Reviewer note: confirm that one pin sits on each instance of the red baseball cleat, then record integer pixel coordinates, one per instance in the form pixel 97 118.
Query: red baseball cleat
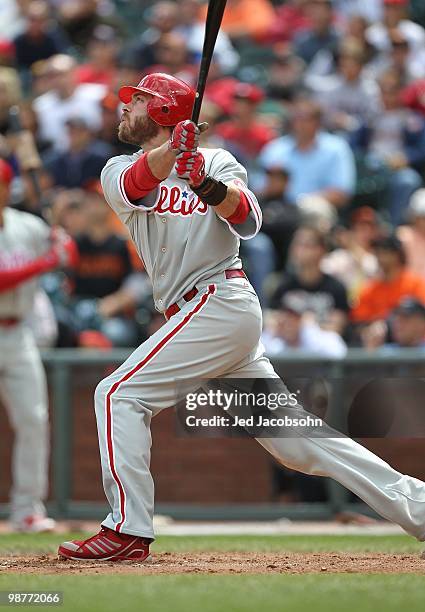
pixel 107 545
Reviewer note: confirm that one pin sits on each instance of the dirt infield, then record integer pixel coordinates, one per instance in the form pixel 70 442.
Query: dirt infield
pixel 226 563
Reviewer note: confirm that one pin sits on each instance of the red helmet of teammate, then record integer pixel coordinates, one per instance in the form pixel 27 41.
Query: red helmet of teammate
pixel 172 99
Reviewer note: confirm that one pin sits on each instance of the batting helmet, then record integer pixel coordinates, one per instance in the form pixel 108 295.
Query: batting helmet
pixel 172 99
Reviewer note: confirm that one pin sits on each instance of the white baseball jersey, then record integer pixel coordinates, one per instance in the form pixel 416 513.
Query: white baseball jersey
pixel 179 238
pixel 23 238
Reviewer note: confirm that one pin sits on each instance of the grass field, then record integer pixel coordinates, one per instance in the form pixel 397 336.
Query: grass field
pixel 225 592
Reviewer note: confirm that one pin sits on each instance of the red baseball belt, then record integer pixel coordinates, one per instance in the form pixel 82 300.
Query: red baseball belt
pixel 10 322
pixel 175 308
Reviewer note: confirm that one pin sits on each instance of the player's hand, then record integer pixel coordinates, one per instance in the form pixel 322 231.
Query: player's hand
pixel 64 248
pixel 186 135
pixel 190 166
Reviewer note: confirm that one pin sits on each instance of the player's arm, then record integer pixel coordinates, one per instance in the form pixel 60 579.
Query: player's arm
pixel 61 253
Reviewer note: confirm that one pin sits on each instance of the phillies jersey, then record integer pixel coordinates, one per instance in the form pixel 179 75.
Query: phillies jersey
pixel 180 239
pixel 23 238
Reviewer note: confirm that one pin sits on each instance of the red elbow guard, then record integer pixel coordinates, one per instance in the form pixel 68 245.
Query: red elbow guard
pixel 241 213
pixel 139 180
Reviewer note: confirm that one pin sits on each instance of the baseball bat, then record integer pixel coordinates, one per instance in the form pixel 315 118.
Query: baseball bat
pixel 212 28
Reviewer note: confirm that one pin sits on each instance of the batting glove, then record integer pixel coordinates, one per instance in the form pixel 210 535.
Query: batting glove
pixel 186 135
pixel 190 166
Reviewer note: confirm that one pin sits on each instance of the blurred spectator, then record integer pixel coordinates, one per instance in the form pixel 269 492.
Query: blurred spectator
pixel 105 286
pixel 412 236
pixel 102 52
pixel 66 99
pixel 399 59
pixel 192 28
pixel 79 18
pixel 291 19
pixel 172 57
pixel 244 128
pixel 396 139
pixel 348 98
pixel 395 17
pixel 280 218
pixel 247 19
pixel 67 211
pixel 162 18
pixel 380 296
pixel 356 28
pixel 10 94
pixel 292 328
pixel 12 20
pixel 319 164
pixel 40 39
pixel 285 74
pixel 413 96
pixel 322 294
pixel 318 44
pixel 353 261
pixel 84 159
pixel 406 328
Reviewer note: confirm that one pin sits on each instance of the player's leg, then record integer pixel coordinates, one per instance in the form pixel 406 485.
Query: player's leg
pixel 324 452
pixel 23 387
pixel 212 334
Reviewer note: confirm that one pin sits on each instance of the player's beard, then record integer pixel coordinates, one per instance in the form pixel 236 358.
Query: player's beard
pixel 142 130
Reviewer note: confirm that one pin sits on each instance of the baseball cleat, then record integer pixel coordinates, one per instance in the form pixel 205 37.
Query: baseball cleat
pixel 107 545
pixel 34 524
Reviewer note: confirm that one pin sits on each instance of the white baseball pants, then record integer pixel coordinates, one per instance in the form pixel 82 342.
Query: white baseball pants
pixel 24 394
pixel 217 334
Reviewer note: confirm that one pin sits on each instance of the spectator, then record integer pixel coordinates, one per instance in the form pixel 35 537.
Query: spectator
pixel 395 17
pixel 12 20
pixel 39 40
pixel 413 96
pixel 381 295
pixel 285 75
pixel 353 262
pixel 293 329
pixel 10 94
pixel 173 58
pixel 246 20
pixel 400 60
pixel 82 162
pixel 64 100
pixel 291 19
pixel 405 328
pixel 322 294
pixel 105 287
pixel 162 18
pixel 397 141
pixel 356 28
pixel 192 28
pixel 244 129
pixel 67 211
pixel 280 219
pixel 318 44
pixel 348 98
pixel 413 236
pixel 319 164
pixel 102 52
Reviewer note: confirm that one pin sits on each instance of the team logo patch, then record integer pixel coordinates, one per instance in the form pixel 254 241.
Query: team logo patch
pixel 179 202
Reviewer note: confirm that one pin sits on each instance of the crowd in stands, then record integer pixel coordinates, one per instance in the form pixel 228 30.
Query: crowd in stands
pixel 323 101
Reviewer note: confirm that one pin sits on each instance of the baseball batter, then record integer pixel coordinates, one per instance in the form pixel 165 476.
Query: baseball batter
pixel 27 249
pixel 186 209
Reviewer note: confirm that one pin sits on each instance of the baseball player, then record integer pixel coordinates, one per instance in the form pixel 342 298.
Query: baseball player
pixel 27 249
pixel 186 209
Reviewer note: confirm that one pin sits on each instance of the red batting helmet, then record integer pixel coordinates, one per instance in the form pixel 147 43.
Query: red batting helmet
pixel 172 99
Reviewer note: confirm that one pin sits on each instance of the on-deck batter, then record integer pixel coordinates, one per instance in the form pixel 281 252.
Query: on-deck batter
pixel 186 209
pixel 27 249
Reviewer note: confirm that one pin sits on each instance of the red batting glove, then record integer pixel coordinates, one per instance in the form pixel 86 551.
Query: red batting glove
pixel 186 135
pixel 190 166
